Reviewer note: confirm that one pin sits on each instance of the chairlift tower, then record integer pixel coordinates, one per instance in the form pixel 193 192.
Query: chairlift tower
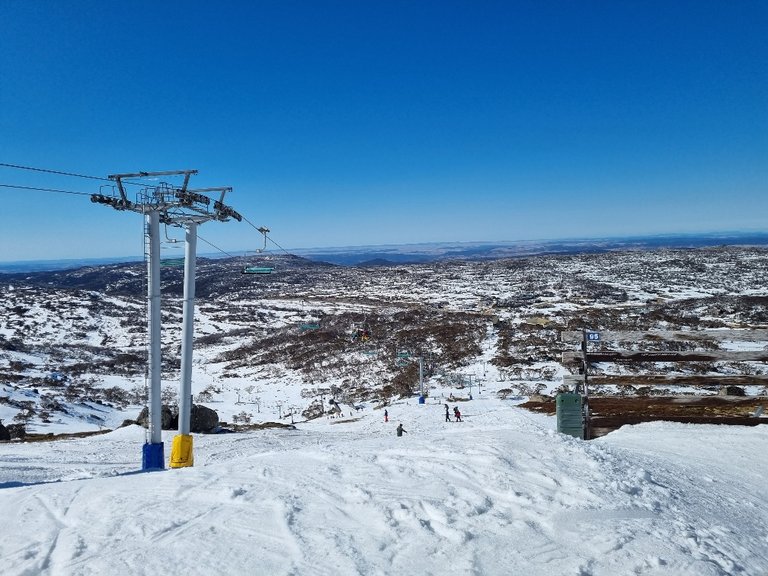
pixel 187 209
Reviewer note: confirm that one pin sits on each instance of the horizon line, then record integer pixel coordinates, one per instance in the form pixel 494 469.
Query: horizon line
pixel 321 249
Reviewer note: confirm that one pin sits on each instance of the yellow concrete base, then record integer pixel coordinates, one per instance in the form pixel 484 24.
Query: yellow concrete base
pixel 181 451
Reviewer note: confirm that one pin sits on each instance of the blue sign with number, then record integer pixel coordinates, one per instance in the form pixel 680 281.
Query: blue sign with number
pixel 593 336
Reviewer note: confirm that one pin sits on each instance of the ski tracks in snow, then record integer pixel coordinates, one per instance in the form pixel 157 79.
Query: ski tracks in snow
pixel 499 494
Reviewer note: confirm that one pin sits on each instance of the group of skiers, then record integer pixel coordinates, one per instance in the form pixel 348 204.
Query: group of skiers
pixel 456 415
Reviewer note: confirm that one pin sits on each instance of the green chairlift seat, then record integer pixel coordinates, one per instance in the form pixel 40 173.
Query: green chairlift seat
pixel 258 270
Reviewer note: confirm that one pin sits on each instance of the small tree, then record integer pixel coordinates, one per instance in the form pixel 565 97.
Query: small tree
pixel 24 416
pixel 169 396
pixel 243 418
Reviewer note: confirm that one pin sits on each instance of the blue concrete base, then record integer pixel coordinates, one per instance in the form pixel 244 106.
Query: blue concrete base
pixel 152 457
pixel 421 400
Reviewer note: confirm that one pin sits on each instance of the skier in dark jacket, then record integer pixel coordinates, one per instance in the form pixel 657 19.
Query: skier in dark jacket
pixel 447 417
pixel 400 429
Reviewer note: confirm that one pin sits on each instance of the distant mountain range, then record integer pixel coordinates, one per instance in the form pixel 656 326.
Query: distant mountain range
pixel 22 266
pixel 415 253
pixel 386 255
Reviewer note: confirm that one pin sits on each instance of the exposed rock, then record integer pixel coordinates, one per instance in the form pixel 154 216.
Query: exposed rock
pixel 17 431
pixel 4 434
pixel 168 420
pixel 314 410
pixel 203 419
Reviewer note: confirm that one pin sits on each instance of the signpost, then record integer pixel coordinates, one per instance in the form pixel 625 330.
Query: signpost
pixel 589 336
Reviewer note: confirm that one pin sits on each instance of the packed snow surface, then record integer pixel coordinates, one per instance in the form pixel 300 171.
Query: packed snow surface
pixel 500 493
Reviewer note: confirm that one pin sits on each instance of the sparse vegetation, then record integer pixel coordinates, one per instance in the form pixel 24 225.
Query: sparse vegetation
pixel 362 330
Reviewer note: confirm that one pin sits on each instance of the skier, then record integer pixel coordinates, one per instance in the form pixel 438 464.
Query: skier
pixel 447 417
pixel 400 429
pixel 386 416
pixel 457 414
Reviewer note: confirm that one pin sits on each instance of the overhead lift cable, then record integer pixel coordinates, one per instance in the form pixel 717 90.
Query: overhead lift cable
pixel 73 174
pixel 45 189
pixel 50 171
pixel 223 212
pixel 215 247
pixel 262 230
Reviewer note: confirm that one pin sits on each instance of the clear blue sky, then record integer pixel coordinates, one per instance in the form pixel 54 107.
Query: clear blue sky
pixel 353 123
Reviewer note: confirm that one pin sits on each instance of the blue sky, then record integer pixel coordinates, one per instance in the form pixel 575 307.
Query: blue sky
pixel 354 123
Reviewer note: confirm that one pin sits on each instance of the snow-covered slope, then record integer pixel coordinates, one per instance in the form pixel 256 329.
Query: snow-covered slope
pixel 500 493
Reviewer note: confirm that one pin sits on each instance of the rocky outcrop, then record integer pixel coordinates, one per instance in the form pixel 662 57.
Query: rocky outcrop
pixel 202 419
pixel 168 420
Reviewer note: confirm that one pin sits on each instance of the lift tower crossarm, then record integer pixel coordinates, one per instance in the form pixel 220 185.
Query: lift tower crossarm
pixel 118 178
pixel 222 189
pixel 152 174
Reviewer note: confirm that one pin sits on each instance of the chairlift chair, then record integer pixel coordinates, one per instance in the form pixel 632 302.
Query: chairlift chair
pixel 259 269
